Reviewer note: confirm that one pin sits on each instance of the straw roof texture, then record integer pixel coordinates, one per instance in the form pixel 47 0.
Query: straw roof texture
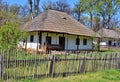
pixel 55 21
pixel 108 33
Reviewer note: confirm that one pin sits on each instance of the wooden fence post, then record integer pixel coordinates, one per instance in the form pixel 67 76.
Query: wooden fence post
pixel 82 69
pixel 118 64
pixel 1 66
pixel 51 70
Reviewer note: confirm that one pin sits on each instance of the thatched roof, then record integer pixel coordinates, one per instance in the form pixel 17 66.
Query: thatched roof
pixel 55 21
pixel 108 33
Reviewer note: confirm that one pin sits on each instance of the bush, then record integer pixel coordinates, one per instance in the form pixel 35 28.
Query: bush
pixel 10 35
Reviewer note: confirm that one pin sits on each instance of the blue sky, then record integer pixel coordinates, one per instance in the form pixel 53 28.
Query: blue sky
pixel 23 2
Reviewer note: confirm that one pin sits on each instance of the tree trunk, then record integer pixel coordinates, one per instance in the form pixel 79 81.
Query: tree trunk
pixel 91 19
pixel 79 14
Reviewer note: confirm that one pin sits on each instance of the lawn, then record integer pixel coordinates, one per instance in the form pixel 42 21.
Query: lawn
pixel 101 76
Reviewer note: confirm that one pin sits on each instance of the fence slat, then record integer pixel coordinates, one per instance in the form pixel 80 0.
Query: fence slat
pixel 1 66
pixel 72 64
pixel 82 69
pixel 51 71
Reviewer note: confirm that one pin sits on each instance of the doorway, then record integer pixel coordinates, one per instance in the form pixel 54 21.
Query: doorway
pixel 62 42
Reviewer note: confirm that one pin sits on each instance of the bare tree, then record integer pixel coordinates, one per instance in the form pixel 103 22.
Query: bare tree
pixel 79 8
pixel 107 9
pixel 97 23
pixel 115 22
pixel 15 9
pixel 31 8
pixel 34 8
pixel 3 6
pixel 47 5
pixel 62 5
pixel 24 13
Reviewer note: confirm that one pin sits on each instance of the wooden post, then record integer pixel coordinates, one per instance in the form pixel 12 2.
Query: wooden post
pixel 110 64
pixel 98 44
pixel 77 42
pixel 82 69
pixel 119 65
pixel 26 44
pixel 67 41
pixel 51 70
pixel 105 63
pixel 116 66
pixel 1 66
pixel 39 41
pixel 37 44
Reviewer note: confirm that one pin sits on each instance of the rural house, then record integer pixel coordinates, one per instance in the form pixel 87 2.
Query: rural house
pixel 109 37
pixel 54 30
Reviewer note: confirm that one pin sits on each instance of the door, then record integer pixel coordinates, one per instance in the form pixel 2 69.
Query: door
pixel 109 42
pixel 62 42
pixel 48 40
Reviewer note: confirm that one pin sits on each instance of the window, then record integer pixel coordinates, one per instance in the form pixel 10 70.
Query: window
pixel 31 38
pixel 77 41
pixel 48 39
pixel 84 41
pixel 109 42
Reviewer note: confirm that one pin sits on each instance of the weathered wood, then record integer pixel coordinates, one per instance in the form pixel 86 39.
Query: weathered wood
pixel 105 62
pixel 116 61
pixel 95 63
pixel 110 61
pixel 119 65
pixel 1 66
pixel 82 69
pixel 51 70
pixel 76 64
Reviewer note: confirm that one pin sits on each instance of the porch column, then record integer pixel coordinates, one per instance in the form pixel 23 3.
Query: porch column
pixel 26 44
pixel 98 44
pixel 92 44
pixel 39 39
pixel 77 42
pixel 67 41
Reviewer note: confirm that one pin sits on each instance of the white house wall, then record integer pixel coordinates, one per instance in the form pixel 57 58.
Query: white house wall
pixel 54 36
pixel 89 43
pixel 33 44
pixel 70 41
pixel 104 42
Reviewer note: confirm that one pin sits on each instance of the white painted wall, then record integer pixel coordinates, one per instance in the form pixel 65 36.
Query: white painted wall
pixel 89 43
pixel 70 41
pixel 104 42
pixel 33 44
pixel 54 36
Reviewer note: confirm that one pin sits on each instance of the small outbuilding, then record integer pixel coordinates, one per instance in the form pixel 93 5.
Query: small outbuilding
pixel 109 37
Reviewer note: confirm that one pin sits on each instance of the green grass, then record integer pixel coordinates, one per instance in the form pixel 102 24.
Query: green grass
pixel 110 51
pixel 101 76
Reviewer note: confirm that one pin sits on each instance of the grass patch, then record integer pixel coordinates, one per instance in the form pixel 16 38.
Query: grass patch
pixel 110 51
pixel 102 76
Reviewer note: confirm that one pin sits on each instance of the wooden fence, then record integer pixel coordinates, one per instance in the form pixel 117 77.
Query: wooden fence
pixel 55 65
